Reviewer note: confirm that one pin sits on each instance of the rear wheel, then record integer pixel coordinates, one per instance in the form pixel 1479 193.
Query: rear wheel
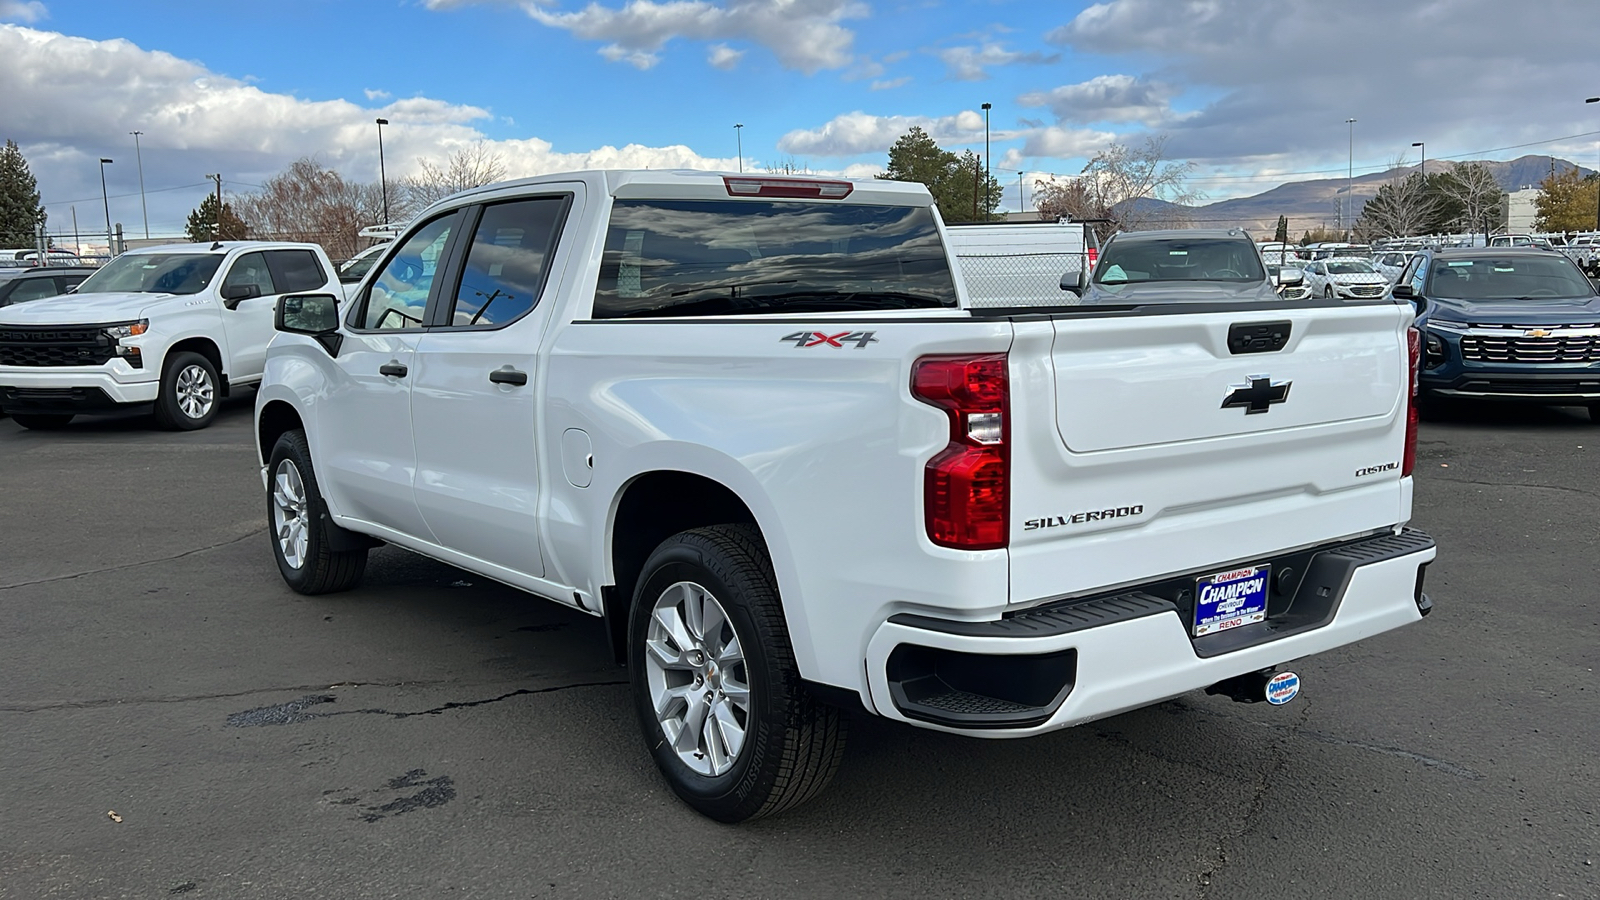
pixel 42 422
pixel 719 697
pixel 189 392
pixel 1327 291
pixel 1594 413
pixel 300 526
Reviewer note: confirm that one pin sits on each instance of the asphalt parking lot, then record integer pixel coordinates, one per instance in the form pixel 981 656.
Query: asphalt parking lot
pixel 432 734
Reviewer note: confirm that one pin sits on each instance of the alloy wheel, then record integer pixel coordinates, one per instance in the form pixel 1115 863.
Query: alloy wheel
pixel 289 514
pixel 698 679
pixel 195 391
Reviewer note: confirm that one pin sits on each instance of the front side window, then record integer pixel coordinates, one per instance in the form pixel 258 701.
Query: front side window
pixel 299 270
pixel 250 270
pixel 154 273
pixel 34 289
pixel 1178 259
pixel 506 263
pixel 1507 278
pixel 399 295
pixel 742 257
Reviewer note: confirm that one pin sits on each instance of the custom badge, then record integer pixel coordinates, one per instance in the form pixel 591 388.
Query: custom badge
pixel 1283 687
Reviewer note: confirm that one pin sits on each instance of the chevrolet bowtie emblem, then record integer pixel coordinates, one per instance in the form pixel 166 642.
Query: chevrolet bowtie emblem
pixel 1536 333
pixel 1257 394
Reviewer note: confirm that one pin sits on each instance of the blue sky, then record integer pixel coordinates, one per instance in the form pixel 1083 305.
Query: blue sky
pixel 1253 93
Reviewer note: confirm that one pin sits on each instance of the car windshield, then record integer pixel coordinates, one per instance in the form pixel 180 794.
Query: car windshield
pixel 355 268
pixel 1349 267
pixel 1507 278
pixel 1179 259
pixel 154 273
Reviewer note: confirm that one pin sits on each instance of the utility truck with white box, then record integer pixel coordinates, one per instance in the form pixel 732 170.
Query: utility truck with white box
pixel 170 329
pixel 753 425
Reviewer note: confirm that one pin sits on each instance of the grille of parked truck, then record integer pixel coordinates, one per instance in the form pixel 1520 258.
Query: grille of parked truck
pixel 756 426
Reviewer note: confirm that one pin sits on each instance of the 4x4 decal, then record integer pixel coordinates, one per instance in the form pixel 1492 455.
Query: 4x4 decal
pixel 818 339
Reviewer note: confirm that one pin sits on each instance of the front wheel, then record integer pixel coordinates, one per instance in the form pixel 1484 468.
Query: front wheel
pixel 719 697
pixel 1594 413
pixel 1327 292
pixel 300 527
pixel 41 422
pixel 189 392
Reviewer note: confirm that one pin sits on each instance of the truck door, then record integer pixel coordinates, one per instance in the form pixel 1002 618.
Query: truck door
pixel 367 459
pixel 477 372
pixel 249 297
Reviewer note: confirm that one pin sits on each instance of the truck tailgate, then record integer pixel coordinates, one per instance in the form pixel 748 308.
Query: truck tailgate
pixel 1145 444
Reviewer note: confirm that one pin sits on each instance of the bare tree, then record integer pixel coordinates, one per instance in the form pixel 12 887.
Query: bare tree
pixel 1135 188
pixel 1473 186
pixel 465 169
pixel 309 202
pixel 1404 207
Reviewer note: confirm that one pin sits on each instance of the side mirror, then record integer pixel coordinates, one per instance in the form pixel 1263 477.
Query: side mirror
pixel 1075 282
pixel 234 294
pixel 1404 292
pixel 316 315
pixel 1291 277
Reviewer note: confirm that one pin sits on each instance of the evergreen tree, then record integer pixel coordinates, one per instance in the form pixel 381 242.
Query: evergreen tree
pixel 202 225
pixel 20 213
pixel 957 183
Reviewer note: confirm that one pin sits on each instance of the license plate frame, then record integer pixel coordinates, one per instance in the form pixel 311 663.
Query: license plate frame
pixel 1219 606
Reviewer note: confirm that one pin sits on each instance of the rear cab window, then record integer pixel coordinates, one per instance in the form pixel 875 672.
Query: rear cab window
pixel 296 270
pixel 670 258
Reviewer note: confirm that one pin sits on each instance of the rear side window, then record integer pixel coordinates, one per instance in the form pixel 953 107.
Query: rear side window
pixel 507 261
pixel 399 295
pixel 297 270
pixel 250 270
pixel 743 257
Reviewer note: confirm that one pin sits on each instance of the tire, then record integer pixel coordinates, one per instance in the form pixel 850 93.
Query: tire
pixel 790 745
pixel 190 392
pixel 42 422
pixel 1594 413
pixel 298 524
pixel 1327 292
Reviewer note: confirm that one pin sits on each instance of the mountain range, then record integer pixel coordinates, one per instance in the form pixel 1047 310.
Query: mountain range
pixel 1310 204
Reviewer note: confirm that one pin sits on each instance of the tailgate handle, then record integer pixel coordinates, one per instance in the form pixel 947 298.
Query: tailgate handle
pixel 1257 337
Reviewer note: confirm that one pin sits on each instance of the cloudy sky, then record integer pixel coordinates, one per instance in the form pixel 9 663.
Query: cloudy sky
pixel 1255 93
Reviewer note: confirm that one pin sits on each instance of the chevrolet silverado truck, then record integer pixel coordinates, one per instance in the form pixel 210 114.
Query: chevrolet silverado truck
pixel 752 425
pixel 169 329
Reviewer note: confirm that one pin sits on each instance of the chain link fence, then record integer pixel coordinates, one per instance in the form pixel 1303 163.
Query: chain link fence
pixel 1019 279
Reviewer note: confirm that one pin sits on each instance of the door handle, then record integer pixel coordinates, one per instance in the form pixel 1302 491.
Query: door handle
pixel 508 376
pixel 395 369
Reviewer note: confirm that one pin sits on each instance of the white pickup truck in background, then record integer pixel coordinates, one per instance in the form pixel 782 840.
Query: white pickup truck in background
pixel 172 329
pixel 756 426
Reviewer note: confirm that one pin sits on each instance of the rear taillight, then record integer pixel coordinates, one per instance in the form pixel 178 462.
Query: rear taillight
pixel 966 486
pixel 1094 257
pixel 1414 351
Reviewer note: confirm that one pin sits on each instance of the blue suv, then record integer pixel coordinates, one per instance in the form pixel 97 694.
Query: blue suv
pixel 1505 324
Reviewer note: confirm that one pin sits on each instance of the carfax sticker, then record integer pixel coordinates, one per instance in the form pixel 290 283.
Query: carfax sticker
pixel 1230 599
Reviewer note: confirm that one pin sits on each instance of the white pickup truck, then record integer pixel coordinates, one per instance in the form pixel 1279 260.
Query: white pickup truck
pixel 751 423
pixel 172 329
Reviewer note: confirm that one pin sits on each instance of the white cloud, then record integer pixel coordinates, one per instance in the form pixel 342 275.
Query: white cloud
pixel 890 84
pixel 1467 75
pixel 723 57
pixel 1107 98
pixel 196 121
pixel 1065 143
pixel 373 94
pixel 969 63
pixel 27 11
pixel 858 132
pixel 805 35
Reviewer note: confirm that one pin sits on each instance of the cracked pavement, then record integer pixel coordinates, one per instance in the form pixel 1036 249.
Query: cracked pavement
pixel 435 734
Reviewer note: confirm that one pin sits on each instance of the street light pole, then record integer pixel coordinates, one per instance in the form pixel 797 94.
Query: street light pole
pixel 140 157
pixel 1350 172
pixel 1424 147
pixel 986 174
pixel 106 199
pixel 738 136
pixel 1597 175
pixel 383 176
